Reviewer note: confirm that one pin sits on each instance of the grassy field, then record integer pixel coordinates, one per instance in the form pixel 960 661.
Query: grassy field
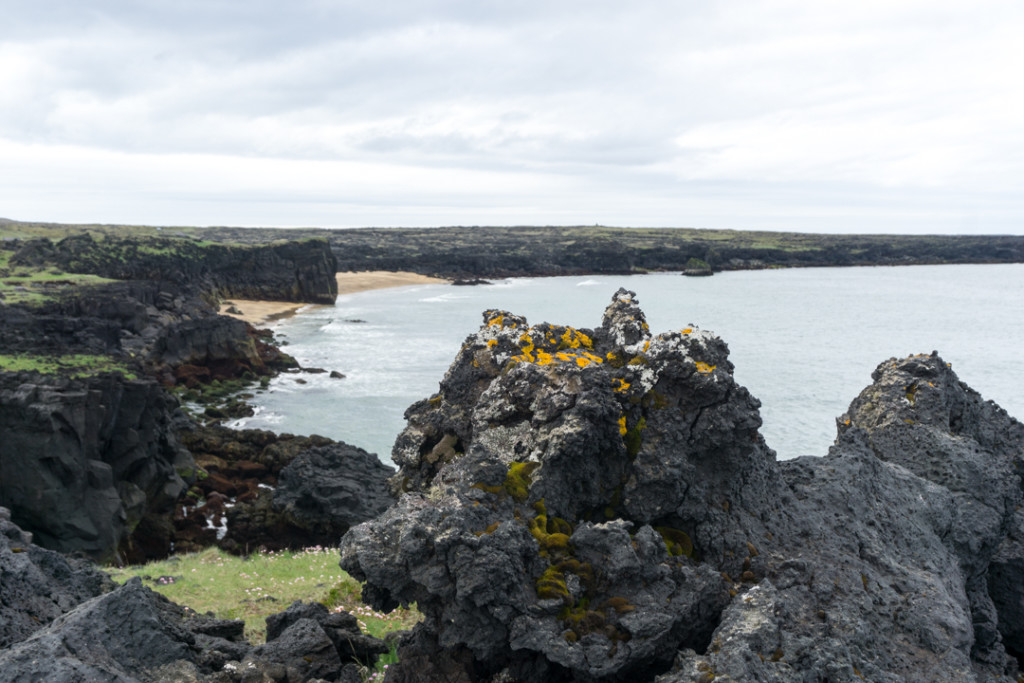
pixel 254 587
pixel 24 285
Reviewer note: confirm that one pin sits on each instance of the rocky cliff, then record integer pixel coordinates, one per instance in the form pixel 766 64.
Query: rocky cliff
pixel 300 271
pixel 86 463
pixel 88 459
pixel 599 505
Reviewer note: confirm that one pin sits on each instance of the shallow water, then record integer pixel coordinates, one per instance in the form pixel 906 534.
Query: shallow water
pixel 804 341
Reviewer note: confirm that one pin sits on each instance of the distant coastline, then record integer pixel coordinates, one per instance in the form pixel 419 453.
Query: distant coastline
pixel 495 252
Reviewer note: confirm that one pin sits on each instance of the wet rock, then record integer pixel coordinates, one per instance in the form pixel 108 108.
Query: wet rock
pixel 598 505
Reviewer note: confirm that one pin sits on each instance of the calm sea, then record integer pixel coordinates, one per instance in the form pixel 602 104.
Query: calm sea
pixel 804 341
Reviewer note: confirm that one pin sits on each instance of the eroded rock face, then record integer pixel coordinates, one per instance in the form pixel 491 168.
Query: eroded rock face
pixel 275 491
pixel 599 506
pixel 84 462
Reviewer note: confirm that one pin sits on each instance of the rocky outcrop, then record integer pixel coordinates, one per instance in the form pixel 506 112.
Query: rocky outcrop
pixel 84 463
pixel 38 585
pixel 263 490
pixel 332 488
pixel 598 505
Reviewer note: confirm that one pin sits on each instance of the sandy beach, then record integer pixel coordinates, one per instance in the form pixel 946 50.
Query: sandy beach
pixel 350 283
pixel 260 313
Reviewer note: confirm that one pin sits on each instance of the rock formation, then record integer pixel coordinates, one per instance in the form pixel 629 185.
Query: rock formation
pixel 598 505
pixel 85 462
pixel 63 620
pixel 285 271
pixel 92 464
pixel 261 489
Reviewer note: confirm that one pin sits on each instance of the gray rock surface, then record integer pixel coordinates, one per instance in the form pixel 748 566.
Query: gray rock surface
pixel 599 505
pixel 38 585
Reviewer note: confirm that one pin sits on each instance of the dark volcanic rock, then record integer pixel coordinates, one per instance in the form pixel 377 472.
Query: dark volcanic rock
pixel 63 620
pixel 560 489
pixel 83 462
pixel 333 487
pixel 277 491
pixel 37 585
pixel 599 506
pixel 312 622
pixel 287 271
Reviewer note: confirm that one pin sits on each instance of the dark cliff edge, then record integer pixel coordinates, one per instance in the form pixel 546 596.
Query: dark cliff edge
pixel 599 505
pixel 298 271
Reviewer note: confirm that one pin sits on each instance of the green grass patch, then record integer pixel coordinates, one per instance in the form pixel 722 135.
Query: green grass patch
pixel 75 366
pixel 24 285
pixel 264 583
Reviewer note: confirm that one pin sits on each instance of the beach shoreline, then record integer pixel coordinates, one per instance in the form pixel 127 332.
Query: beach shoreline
pixel 261 313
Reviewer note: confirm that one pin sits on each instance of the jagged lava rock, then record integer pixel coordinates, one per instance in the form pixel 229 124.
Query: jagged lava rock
pixel 599 506
pixel 560 492
pixel 38 585
pixel 890 556
pixel 276 491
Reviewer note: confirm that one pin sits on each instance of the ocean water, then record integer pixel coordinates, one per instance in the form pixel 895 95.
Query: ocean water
pixel 803 341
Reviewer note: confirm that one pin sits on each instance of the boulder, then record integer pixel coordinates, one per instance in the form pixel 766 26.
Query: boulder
pixel 599 505
pixel 332 488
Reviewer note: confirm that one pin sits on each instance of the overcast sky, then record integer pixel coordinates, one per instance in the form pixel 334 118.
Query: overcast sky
pixel 868 116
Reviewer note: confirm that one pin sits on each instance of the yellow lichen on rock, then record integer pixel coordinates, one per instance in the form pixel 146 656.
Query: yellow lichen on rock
pixel 705 369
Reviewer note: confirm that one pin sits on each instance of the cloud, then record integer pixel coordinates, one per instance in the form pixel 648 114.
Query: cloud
pixel 635 113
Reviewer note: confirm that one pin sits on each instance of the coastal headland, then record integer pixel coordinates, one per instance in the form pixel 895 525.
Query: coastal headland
pixel 572 505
